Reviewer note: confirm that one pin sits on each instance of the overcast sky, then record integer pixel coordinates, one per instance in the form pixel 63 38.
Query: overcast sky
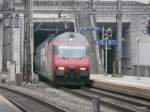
pixel 144 1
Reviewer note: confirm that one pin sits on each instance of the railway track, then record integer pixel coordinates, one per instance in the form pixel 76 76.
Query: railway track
pixel 122 103
pixel 21 107
pixel 28 103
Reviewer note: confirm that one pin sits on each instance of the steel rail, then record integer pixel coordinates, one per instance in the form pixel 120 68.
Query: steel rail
pixel 121 97
pixel 36 99
pixel 21 107
pixel 113 103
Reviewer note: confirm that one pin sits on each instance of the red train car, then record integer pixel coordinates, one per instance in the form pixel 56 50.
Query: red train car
pixel 64 60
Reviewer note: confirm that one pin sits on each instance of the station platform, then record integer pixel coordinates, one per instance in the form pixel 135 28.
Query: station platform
pixel 6 106
pixel 130 85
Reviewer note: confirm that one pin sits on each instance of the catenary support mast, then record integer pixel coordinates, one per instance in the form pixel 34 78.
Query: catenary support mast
pixel 119 36
pixel 28 42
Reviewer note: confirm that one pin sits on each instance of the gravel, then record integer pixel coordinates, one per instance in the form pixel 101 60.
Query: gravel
pixel 59 97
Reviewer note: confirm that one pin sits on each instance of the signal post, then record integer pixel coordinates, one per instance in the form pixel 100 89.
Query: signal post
pixel 105 35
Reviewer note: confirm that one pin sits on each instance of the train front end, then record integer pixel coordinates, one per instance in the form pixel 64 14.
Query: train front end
pixel 72 63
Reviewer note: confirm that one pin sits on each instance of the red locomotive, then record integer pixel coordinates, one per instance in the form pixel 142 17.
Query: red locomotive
pixel 64 60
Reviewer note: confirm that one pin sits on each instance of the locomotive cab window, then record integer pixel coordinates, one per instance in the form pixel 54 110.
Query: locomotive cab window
pixel 72 51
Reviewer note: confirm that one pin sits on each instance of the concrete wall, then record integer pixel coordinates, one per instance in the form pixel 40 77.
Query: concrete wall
pixel 138 29
pixel 18 44
pixel 16 49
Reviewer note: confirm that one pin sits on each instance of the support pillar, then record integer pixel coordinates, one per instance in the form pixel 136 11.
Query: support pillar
pixel 119 37
pixel 28 44
pixel 7 54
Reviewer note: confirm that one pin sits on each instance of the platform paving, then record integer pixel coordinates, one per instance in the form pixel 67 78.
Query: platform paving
pixel 130 85
pixel 127 79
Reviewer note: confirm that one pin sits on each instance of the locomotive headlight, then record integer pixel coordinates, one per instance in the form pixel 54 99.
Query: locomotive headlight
pixel 61 68
pixel 82 68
